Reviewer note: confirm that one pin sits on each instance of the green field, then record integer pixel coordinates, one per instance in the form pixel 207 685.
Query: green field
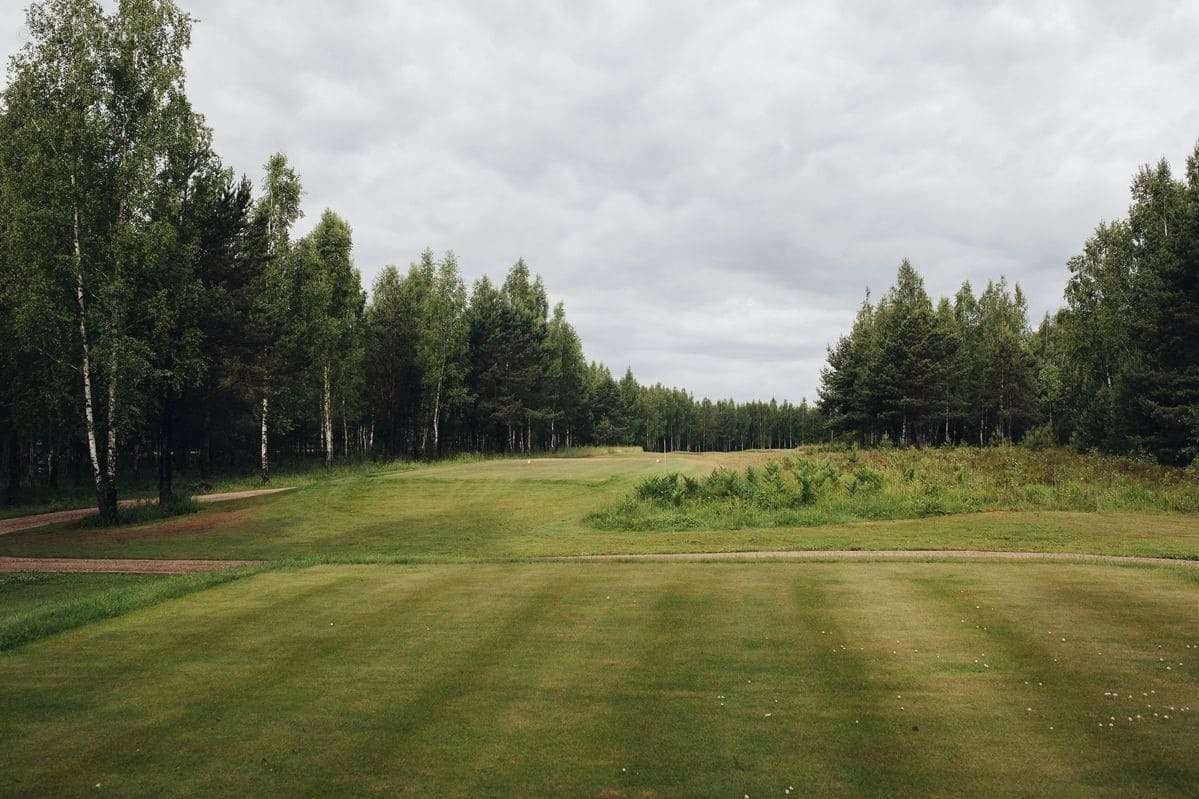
pixel 518 509
pixel 477 669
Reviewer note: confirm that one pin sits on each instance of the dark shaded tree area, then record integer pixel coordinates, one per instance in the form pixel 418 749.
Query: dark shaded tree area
pixel 1115 370
pixel 158 313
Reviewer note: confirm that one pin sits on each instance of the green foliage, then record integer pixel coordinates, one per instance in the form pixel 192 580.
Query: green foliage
pixel 826 485
pixel 1040 437
pixel 909 374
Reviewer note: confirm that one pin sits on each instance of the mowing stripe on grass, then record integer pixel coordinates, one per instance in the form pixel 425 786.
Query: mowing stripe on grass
pixel 1040 632
pixel 67 615
pixel 443 709
pixel 548 679
pixel 949 688
pixel 875 750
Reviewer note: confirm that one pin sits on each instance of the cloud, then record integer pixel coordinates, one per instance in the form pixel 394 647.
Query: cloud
pixel 710 187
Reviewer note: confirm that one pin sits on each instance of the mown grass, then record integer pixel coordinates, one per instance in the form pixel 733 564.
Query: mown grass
pixel 35 606
pixel 823 486
pixel 291 473
pixel 623 680
pixel 614 679
pixel 508 509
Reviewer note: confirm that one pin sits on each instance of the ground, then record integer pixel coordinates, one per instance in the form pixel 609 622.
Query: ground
pixel 479 668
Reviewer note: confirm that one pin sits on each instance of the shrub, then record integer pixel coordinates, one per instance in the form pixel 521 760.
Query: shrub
pixel 867 480
pixel 824 484
pixel 1039 438
pixel 658 488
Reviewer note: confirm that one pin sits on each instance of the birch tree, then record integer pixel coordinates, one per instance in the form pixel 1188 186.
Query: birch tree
pixel 57 106
pixel 442 345
pixel 271 319
pixel 331 304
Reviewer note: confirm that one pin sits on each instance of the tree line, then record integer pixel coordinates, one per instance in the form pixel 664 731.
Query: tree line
pixel 158 311
pixel 1116 369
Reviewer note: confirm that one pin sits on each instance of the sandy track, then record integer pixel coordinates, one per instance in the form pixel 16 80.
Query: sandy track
pixel 117 565
pixel 60 516
pixel 889 554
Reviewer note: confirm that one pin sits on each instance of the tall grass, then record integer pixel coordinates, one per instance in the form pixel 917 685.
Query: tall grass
pixel 818 485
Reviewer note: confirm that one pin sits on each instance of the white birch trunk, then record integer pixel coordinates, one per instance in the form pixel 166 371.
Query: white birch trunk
pixel 89 417
pixel 436 417
pixel 264 452
pixel 111 464
pixel 328 420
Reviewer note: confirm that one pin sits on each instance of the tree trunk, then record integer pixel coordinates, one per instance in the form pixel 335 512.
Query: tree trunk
pixel 264 463
pixel 52 466
pixel 13 492
pixel 85 368
pixel 108 508
pixel 166 460
pixel 437 418
pixel 328 420
pixel 206 452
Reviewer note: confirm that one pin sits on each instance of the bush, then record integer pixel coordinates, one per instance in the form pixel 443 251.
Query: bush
pixel 824 485
pixel 658 488
pixel 866 479
pixel 1039 438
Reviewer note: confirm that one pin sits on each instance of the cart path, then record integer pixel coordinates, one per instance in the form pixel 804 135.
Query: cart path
pixel 59 516
pixel 888 554
pixel 117 565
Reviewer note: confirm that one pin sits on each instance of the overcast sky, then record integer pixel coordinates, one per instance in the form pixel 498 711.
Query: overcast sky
pixel 710 187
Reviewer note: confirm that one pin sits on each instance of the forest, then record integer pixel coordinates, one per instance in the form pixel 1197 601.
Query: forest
pixel 159 312
pixel 1115 370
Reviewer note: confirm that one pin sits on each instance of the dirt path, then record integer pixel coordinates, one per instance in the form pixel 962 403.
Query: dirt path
pixel 889 554
pixel 59 516
pixel 117 565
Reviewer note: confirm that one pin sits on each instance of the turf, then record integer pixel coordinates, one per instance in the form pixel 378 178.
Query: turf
pixel 22 592
pixel 529 508
pixel 36 606
pixel 623 680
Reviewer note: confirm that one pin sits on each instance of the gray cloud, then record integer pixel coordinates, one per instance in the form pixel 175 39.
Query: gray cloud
pixel 709 187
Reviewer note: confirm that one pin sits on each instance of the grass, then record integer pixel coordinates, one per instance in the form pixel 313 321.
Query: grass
pixel 515 509
pixel 23 592
pixel 44 499
pixel 623 680
pixel 820 486
pixel 405 637
pixel 35 606
pixel 143 514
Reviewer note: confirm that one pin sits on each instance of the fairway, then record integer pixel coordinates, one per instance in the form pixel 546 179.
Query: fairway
pixel 522 508
pixel 624 680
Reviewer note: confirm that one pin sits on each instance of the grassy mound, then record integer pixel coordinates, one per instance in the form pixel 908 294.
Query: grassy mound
pixel 828 486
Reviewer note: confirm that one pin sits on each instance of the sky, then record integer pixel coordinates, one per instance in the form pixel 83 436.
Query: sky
pixel 710 188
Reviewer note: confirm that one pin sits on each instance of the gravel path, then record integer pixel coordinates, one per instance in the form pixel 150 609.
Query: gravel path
pixel 57 517
pixel 891 554
pixel 117 565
